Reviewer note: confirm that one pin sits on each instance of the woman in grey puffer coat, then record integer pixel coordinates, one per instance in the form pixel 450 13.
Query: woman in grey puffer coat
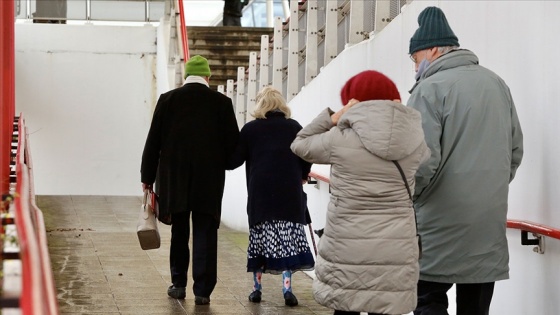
pixel 368 254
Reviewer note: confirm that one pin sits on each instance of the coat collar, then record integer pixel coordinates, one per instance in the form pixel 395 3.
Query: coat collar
pixel 195 79
pixel 275 113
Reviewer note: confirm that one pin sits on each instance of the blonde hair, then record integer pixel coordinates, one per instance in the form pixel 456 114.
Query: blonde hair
pixel 270 99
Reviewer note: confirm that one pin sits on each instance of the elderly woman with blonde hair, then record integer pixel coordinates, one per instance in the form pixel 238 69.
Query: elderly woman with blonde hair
pixel 276 203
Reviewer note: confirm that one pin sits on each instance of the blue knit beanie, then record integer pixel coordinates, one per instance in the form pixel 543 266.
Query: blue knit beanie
pixel 197 65
pixel 433 31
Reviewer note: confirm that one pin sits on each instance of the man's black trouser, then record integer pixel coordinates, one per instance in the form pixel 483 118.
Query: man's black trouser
pixel 472 298
pixel 205 251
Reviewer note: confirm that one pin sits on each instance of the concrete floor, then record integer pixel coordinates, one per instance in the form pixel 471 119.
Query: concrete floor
pixel 99 267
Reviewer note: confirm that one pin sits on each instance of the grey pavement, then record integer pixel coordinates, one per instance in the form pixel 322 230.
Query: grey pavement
pixel 99 267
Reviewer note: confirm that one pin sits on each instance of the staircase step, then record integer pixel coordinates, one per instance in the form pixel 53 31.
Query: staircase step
pixel 226 48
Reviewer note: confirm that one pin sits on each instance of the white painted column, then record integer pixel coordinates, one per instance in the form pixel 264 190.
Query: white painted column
pixel 382 15
pixel 270 13
pixel 331 31
pixel 311 56
pixel 293 51
pixel 240 102
pixel 355 34
pixel 264 67
pixel 229 89
pixel 286 8
pixel 277 67
pixel 251 86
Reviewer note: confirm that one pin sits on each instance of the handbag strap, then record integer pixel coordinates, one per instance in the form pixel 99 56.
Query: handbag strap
pixel 145 198
pixel 407 189
pixel 404 179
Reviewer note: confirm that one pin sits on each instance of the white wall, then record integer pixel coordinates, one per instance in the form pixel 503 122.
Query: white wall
pixel 87 94
pixel 517 40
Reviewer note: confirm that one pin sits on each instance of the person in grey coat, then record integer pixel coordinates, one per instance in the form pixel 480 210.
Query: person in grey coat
pixel 368 254
pixel 461 198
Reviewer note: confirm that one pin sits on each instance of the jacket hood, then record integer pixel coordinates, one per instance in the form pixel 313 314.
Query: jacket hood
pixel 387 129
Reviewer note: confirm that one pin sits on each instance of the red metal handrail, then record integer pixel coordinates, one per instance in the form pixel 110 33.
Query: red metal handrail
pixel 532 227
pixel 7 90
pixel 522 225
pixel 184 36
pixel 37 287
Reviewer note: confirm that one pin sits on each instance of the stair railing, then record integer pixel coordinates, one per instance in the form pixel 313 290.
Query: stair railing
pixel 37 295
pixel 538 230
pixel 183 30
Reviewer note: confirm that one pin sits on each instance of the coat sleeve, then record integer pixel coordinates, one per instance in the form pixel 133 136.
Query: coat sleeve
pixel 240 153
pixel 431 123
pixel 152 147
pixel 231 132
pixel 517 143
pixel 313 143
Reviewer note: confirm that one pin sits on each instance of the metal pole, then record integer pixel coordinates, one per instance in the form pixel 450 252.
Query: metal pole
pixel 269 13
pixel 147 10
pixel 28 9
pixel 88 10
pixel 286 8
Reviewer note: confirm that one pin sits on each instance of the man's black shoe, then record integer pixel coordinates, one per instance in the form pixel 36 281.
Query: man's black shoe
pixel 200 300
pixel 176 293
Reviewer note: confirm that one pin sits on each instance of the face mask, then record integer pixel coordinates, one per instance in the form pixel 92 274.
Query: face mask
pixel 422 68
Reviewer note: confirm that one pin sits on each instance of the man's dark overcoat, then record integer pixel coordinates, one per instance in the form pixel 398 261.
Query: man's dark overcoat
pixel 193 132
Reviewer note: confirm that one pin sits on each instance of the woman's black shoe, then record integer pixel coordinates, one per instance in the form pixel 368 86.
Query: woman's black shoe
pixel 255 296
pixel 290 299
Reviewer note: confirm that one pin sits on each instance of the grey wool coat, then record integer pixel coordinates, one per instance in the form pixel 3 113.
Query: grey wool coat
pixel 368 254
pixel 461 197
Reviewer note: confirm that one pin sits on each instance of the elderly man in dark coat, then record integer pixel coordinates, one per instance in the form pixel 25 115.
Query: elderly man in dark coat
pixel 193 132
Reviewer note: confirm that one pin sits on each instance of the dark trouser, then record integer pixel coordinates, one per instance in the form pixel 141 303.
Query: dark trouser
pixel 205 252
pixel 230 20
pixel 472 298
pixel 352 313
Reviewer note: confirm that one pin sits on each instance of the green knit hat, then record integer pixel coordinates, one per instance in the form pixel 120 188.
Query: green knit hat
pixel 197 65
pixel 433 31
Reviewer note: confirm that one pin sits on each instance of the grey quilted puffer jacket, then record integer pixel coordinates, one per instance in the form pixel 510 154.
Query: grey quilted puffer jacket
pixel 368 254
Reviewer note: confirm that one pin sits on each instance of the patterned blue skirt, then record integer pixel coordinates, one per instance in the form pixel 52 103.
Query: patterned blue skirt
pixel 276 246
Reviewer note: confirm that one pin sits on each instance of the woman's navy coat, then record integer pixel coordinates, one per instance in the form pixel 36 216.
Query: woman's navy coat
pixel 274 173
